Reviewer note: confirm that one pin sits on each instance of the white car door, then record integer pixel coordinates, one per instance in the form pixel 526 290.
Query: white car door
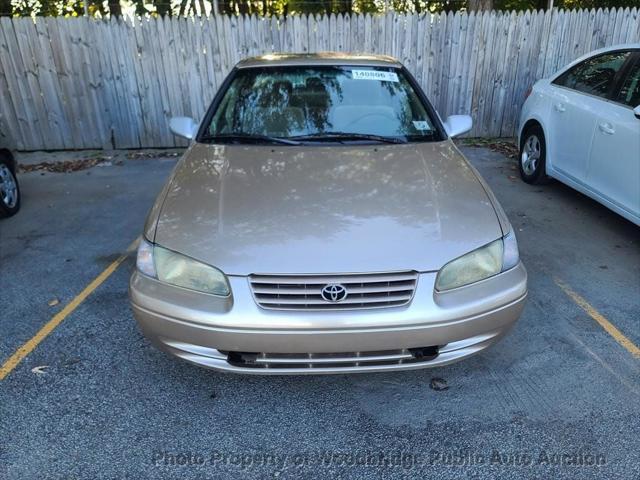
pixel 577 98
pixel 614 165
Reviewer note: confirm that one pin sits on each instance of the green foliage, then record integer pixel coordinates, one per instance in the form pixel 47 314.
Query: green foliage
pixel 571 4
pixel 52 8
pixel 73 8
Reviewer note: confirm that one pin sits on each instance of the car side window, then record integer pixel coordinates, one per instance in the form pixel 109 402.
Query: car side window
pixel 594 76
pixel 629 94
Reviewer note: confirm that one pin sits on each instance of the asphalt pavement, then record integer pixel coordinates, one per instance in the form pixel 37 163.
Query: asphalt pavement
pixel 559 397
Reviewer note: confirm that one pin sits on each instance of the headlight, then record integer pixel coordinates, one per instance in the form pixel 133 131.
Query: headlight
pixel 144 259
pixel 511 255
pixel 482 263
pixel 179 270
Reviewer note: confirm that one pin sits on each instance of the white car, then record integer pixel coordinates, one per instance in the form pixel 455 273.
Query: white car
pixel 582 127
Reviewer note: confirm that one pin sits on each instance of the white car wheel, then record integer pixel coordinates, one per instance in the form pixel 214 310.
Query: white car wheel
pixel 533 156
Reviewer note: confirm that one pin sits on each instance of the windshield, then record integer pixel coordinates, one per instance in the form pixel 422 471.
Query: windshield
pixel 321 103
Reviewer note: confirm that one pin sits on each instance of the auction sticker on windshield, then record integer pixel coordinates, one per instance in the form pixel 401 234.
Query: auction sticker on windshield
pixel 421 125
pixel 374 75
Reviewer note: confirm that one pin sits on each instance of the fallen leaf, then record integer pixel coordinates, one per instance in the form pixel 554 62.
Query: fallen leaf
pixel 71 361
pixel 53 302
pixel 39 370
pixel 438 384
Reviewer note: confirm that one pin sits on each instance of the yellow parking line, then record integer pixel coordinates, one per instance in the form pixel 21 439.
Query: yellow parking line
pixel 598 317
pixel 57 319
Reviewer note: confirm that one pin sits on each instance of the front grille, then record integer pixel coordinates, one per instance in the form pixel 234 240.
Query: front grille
pixel 304 292
pixel 331 360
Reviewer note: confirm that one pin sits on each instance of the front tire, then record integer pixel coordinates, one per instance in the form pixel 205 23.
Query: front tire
pixel 533 156
pixel 9 188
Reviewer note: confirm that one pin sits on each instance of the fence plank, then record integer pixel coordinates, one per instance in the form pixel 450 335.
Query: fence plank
pixel 11 112
pixel 89 83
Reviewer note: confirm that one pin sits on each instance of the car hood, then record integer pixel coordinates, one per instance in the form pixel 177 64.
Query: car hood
pixel 325 209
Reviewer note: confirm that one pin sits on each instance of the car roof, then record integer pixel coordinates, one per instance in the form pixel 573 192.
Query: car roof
pixel 321 58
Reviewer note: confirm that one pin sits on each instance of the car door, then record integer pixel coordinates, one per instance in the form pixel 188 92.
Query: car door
pixel 577 96
pixel 614 164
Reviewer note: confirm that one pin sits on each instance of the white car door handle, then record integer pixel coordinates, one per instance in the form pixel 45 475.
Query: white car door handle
pixel 606 128
pixel 559 107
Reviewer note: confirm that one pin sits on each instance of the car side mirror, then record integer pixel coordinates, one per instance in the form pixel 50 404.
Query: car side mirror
pixel 457 125
pixel 184 127
pixel 636 112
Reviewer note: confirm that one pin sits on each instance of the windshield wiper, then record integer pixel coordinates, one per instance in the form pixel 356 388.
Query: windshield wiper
pixel 248 137
pixel 349 136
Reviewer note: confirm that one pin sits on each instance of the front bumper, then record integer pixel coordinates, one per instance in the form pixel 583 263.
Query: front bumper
pixel 203 329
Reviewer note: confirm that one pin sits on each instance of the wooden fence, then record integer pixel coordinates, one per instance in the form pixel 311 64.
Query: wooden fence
pixel 85 83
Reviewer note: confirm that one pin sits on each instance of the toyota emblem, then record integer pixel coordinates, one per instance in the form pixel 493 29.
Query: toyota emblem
pixel 334 292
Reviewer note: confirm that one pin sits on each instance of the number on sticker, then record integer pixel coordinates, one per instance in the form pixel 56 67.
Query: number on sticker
pixel 374 75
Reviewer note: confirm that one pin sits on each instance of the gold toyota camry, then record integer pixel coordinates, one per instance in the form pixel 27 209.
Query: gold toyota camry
pixel 323 221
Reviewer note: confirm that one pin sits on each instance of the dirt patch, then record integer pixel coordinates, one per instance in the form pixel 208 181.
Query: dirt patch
pixel 505 146
pixel 92 160
pixel 68 166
